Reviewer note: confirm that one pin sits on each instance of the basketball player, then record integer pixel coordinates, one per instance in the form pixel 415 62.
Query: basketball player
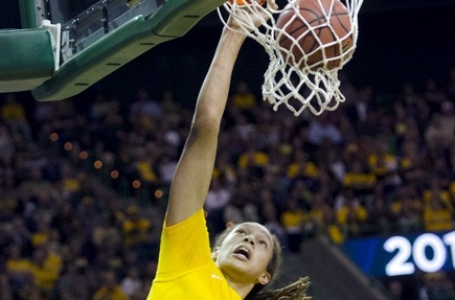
pixel 247 255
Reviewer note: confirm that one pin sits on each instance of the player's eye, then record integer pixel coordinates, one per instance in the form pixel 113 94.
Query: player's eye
pixel 241 231
pixel 263 243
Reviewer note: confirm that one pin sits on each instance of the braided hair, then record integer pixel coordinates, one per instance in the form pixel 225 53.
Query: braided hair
pixel 294 291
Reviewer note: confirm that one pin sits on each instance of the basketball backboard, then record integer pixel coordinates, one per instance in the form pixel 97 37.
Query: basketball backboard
pixel 88 39
pixel 83 22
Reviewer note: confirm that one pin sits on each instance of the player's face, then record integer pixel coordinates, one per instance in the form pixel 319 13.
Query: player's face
pixel 245 253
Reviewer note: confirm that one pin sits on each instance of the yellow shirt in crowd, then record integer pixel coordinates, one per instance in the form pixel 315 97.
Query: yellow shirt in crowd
pixel 309 170
pixel 112 294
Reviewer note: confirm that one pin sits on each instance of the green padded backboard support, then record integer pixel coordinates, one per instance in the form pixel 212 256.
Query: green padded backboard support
pixel 127 42
pixel 26 59
pixel 28 15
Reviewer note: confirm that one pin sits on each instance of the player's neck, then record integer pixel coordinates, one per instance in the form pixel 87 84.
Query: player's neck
pixel 243 289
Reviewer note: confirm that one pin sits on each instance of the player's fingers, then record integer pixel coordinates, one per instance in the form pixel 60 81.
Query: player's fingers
pixel 271 5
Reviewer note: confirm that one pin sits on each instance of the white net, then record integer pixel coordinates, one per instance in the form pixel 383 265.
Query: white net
pixel 306 50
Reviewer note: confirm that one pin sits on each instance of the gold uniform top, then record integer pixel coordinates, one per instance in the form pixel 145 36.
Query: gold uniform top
pixel 185 267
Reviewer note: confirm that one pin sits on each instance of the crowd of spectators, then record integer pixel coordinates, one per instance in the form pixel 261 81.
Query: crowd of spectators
pixel 83 188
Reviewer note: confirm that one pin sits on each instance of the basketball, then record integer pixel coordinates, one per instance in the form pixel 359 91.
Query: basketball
pixel 243 2
pixel 327 34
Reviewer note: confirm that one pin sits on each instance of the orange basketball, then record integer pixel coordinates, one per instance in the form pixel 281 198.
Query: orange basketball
pixel 242 2
pixel 328 34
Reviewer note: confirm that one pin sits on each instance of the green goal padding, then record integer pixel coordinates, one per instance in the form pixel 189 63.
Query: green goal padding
pixel 26 59
pixel 127 42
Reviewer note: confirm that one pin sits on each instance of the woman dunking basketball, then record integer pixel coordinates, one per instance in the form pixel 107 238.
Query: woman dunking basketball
pixel 246 256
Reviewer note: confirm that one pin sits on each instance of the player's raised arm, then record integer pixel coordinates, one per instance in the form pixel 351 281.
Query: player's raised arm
pixel 192 178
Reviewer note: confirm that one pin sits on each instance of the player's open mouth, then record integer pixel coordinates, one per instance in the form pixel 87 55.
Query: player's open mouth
pixel 242 252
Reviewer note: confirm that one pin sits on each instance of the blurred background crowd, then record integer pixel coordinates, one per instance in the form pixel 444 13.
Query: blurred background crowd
pixel 83 184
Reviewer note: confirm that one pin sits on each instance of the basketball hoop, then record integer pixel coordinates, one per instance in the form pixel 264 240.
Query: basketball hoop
pixel 298 76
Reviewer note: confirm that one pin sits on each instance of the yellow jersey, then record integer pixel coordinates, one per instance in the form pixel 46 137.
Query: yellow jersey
pixel 185 266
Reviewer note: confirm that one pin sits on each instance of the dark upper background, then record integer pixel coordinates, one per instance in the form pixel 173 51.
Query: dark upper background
pixel 399 41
